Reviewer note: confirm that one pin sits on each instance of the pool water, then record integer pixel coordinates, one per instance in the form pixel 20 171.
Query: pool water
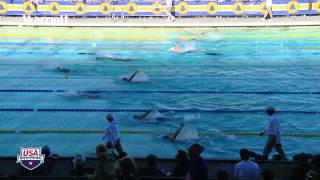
pixel 224 87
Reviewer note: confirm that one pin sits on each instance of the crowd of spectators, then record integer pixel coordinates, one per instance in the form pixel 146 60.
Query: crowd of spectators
pixel 189 165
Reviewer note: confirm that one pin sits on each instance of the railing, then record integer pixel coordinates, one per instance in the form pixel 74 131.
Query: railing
pixel 126 9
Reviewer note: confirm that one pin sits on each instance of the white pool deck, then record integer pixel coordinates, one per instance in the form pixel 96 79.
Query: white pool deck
pixel 180 22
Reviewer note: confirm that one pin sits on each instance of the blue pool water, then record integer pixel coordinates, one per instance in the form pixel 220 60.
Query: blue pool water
pixel 216 93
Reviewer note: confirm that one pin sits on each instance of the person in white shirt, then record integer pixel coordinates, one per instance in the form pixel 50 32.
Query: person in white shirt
pixel 268 15
pixel 168 10
pixel 274 136
pixel 112 135
pixel 246 169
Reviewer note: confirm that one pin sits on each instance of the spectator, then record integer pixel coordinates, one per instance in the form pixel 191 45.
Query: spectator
pixel 181 168
pixel 198 168
pixel 222 175
pixel 276 157
pixel 128 168
pixel 299 172
pixel 107 166
pixel 257 157
pixel 112 134
pixel 274 136
pixel 314 172
pixel 246 169
pixel 152 168
pixel 79 166
pixel 267 174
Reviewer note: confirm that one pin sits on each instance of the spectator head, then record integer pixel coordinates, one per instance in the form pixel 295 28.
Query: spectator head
pixel 78 161
pixel 222 175
pixel 276 157
pixel 128 166
pixel 101 150
pixel 109 117
pixel 267 174
pixel 270 110
pixel 244 154
pixel 195 151
pixel 316 163
pixel 302 157
pixel 152 161
pixel 181 156
pixel 46 151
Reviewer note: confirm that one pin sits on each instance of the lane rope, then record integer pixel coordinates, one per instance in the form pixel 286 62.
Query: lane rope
pixel 148 132
pixel 215 111
pixel 156 91
pixel 77 77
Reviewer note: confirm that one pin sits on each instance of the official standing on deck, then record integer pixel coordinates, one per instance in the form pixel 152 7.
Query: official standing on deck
pixel 112 135
pixel 168 10
pixel 274 135
pixel 268 15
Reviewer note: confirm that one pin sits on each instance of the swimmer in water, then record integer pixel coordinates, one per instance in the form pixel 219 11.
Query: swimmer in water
pixel 151 116
pixel 64 70
pixel 178 47
pixel 114 58
pixel 130 79
pixel 89 95
pixel 86 53
pixel 183 133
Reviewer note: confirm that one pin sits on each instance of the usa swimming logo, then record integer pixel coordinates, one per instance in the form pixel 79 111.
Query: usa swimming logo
pixel 30 158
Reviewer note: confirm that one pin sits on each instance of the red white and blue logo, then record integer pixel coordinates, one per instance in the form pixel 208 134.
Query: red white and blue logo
pixel 30 158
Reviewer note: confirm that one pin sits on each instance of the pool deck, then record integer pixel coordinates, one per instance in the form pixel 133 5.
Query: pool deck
pixel 180 22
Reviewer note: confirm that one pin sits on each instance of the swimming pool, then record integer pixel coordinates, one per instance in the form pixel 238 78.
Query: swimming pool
pixel 224 87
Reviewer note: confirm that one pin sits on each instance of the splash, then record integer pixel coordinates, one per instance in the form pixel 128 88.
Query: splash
pixel 141 77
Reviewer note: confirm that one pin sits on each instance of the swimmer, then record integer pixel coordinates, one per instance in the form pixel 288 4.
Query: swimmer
pixel 64 70
pixel 151 116
pixel 84 53
pixel 130 79
pixel 89 95
pixel 212 54
pixel 188 46
pixel 177 49
pixel 194 33
pixel 183 133
pixel 114 58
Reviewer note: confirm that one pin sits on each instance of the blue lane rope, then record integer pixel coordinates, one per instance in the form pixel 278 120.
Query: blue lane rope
pixel 46 53
pixel 77 44
pixel 160 110
pixel 180 65
pixel 159 92
pixel 155 77
pixel 176 110
pixel 16 109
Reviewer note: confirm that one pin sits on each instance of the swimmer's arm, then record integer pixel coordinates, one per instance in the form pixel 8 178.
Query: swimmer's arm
pixel 177 48
pixel 176 134
pixel 132 76
pixel 143 116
